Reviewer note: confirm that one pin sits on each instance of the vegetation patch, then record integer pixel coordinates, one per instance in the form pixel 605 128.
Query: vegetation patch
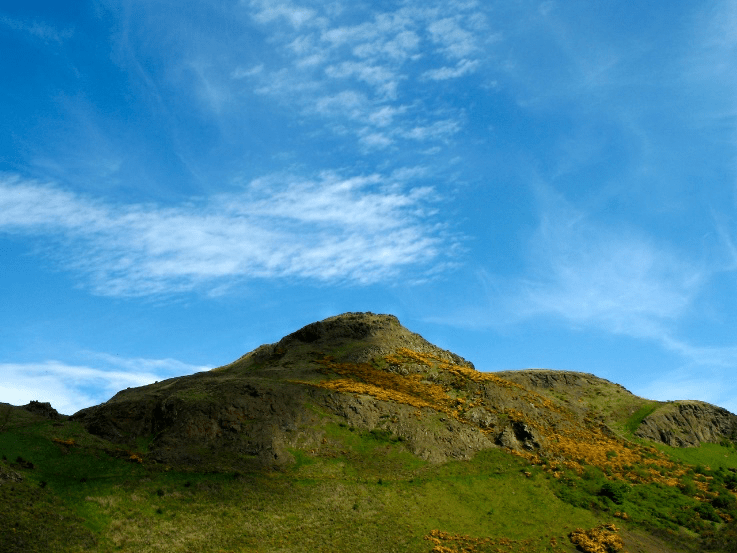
pixel 633 422
pixel 602 539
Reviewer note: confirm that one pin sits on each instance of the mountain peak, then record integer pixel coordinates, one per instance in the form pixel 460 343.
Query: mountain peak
pixel 367 371
pixel 357 337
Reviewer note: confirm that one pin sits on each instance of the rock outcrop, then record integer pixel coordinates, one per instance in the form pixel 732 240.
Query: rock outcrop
pixel 688 423
pixel 43 409
pixel 253 412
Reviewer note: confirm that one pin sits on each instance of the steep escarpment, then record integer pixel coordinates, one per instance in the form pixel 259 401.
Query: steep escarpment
pixel 368 372
pixel 688 424
pixel 280 397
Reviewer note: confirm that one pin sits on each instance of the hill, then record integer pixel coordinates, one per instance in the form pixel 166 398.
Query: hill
pixel 356 433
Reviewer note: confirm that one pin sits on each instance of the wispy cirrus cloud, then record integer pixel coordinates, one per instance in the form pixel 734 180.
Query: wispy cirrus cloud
pixel 70 387
pixel 715 386
pixel 614 279
pixel 360 229
pixel 37 29
pixel 352 74
pixel 444 73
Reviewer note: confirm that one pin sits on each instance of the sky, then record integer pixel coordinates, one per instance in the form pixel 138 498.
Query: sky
pixel 529 184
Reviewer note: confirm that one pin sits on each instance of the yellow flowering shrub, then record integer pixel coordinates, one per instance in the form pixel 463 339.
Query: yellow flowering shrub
pixel 602 539
pixel 570 441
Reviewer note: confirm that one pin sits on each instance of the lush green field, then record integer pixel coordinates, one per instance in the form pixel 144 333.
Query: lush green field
pixel 372 495
pixel 365 493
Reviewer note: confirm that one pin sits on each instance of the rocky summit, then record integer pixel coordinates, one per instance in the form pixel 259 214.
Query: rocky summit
pixel 368 372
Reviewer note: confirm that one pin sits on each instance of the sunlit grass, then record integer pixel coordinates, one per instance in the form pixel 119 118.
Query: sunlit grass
pixel 368 493
pixel 711 455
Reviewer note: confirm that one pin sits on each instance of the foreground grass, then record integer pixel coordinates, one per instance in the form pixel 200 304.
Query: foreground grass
pixel 360 491
pixel 363 493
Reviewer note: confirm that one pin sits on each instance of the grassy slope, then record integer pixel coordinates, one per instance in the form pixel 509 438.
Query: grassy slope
pixel 362 491
pixel 375 496
pixel 359 491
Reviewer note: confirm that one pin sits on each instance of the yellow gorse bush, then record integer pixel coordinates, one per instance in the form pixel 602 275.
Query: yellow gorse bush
pixel 570 442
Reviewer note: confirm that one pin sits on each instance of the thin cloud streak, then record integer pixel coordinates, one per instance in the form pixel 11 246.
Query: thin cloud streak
pixel 37 30
pixel 614 279
pixel 71 387
pixel 361 229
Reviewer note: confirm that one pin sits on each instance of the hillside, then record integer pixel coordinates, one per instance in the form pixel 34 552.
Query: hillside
pixel 356 433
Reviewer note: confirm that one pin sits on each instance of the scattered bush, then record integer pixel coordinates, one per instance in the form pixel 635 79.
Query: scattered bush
pixel 707 512
pixel 724 500
pixel 688 487
pixel 724 540
pixel 381 435
pixel 616 491
pixel 602 539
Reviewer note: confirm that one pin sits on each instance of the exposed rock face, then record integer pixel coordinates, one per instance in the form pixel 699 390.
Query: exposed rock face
pixel 7 475
pixel 43 409
pixel 688 423
pixel 548 379
pixel 365 372
pixel 252 412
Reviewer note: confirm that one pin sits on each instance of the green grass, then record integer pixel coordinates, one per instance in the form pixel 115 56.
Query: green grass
pixel 359 490
pixel 711 455
pixel 363 492
pixel 336 510
pixel 34 519
pixel 635 420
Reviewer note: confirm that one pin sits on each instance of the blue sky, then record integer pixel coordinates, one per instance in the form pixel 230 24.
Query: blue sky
pixel 528 184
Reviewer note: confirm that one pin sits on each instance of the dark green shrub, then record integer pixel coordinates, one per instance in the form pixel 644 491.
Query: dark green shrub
pixel 688 487
pixel 724 540
pixel 724 500
pixel 381 435
pixel 707 512
pixel 730 481
pixel 701 469
pixel 616 491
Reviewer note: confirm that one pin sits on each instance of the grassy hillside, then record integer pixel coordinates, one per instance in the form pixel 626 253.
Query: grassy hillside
pixel 354 434
pixel 360 491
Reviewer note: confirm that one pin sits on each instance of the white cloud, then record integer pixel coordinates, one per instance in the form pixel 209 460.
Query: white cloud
pixel 383 79
pixel 402 46
pixel 456 42
pixel 296 16
pixel 464 67
pixel 71 387
pixel 438 130
pixel 384 116
pixel 37 29
pixel 375 141
pixel 346 73
pixel 241 73
pixel 347 103
pixel 330 228
pixel 615 279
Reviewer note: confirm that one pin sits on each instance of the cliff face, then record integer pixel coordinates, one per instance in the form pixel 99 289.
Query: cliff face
pixel 367 372
pixel 688 423
pixel 280 397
